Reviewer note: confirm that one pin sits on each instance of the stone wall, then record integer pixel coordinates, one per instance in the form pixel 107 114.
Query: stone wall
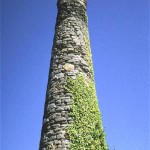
pixel 70 57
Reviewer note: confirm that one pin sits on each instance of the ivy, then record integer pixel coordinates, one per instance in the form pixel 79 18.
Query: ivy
pixel 86 132
pixel 88 56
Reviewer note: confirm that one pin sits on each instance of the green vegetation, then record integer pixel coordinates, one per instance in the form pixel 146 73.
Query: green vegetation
pixel 88 56
pixel 86 133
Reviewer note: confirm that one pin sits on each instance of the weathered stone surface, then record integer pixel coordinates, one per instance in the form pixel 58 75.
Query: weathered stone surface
pixel 52 137
pixel 68 67
pixel 84 63
pixel 60 75
pixel 60 136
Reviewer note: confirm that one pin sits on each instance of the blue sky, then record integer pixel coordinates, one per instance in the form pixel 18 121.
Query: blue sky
pixel 119 41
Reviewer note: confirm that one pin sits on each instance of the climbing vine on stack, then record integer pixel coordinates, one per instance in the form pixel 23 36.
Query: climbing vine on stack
pixel 86 133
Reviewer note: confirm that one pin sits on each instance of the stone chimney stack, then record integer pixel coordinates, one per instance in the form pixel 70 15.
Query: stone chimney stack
pixel 71 115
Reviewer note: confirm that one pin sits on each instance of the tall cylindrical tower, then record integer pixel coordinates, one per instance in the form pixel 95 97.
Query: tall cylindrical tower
pixel 71 115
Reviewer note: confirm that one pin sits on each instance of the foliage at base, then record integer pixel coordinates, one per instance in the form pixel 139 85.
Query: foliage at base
pixel 86 133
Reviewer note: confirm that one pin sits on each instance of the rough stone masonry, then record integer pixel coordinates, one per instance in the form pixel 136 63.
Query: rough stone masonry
pixel 70 58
